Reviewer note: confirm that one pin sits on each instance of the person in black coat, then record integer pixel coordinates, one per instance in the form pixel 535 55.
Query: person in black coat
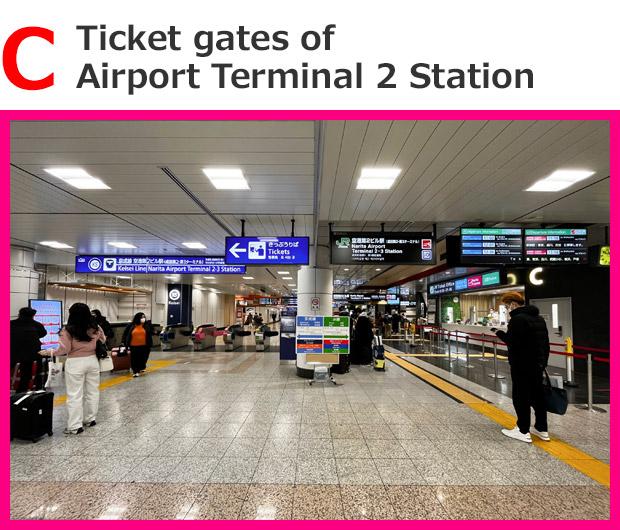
pixel 26 335
pixel 363 338
pixel 103 323
pixel 527 339
pixel 138 337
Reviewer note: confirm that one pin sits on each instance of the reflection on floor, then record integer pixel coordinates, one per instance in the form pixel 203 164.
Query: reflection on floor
pixel 238 436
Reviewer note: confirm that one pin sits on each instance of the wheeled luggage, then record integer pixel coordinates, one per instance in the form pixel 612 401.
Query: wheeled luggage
pixel 31 414
pixel 378 353
pixel 343 366
pixel 121 358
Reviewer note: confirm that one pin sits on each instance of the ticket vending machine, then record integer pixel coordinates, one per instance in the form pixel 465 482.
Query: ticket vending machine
pixel 287 335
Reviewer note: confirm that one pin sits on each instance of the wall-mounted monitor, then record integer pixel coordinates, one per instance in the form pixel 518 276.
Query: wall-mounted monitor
pixel 49 313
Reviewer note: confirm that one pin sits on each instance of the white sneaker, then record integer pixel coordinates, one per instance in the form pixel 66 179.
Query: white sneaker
pixel 543 435
pixel 517 435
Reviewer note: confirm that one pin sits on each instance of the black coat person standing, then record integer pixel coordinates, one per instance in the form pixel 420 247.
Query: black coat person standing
pixel 103 323
pixel 527 339
pixel 26 335
pixel 363 337
pixel 139 339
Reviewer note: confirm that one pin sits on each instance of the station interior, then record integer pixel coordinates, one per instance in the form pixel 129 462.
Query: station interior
pixel 230 420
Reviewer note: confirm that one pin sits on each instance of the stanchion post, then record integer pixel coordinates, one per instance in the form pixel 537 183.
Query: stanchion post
pixel 569 382
pixel 483 359
pixel 467 365
pixel 495 375
pixel 449 347
pixel 590 405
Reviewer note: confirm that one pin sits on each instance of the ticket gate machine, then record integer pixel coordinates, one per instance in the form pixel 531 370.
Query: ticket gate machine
pixel 262 337
pixel 204 337
pixel 233 339
pixel 175 336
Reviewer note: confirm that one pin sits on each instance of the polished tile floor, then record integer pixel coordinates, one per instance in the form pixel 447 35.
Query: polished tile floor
pixel 238 436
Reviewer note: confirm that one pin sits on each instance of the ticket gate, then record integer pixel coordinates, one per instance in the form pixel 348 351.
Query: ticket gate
pixel 262 336
pixel 233 339
pixel 175 336
pixel 204 337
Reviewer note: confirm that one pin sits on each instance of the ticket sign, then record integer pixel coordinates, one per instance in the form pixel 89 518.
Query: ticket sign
pixel 322 335
pixel 155 265
pixel 267 250
pixel 390 248
pixel 556 245
pixel 49 313
pixel 467 283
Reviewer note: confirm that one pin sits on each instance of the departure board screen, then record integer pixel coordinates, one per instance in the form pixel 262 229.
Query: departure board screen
pixel 49 313
pixel 556 245
pixel 491 246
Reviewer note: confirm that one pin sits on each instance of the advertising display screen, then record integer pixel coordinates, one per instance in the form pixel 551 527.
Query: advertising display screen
pixel 322 335
pixel 556 245
pixel 390 248
pixel 467 283
pixel 491 245
pixel 267 250
pixel 49 313
pixel 155 265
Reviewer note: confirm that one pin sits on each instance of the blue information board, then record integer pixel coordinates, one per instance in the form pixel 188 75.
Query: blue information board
pixel 155 265
pixel 267 250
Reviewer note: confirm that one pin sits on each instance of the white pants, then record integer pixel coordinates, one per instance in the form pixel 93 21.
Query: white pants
pixel 82 381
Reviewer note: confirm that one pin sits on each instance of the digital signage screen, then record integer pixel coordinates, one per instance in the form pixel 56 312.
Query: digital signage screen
pixel 49 313
pixel 483 246
pixel 556 246
pixel 467 283
pixel 389 248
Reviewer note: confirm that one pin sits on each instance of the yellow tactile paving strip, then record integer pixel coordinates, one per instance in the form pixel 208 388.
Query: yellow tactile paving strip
pixel 582 462
pixel 460 354
pixel 117 380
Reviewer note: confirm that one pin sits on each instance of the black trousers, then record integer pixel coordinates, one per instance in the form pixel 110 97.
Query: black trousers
pixel 139 356
pixel 25 372
pixel 527 393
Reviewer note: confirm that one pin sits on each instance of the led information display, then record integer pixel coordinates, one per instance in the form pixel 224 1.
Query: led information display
pixel 267 250
pixel 322 335
pixel 390 248
pixel 491 245
pixel 468 283
pixel 155 265
pixel 556 245
pixel 49 313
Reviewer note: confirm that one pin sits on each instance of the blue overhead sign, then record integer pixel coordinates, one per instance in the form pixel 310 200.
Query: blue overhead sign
pixel 155 265
pixel 267 250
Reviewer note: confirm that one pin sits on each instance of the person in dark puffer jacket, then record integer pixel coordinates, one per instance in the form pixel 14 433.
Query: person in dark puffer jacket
pixel 527 339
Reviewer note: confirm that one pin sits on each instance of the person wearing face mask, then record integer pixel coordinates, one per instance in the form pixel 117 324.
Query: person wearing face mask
pixel 527 339
pixel 138 338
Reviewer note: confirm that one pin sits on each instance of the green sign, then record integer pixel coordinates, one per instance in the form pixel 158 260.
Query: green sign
pixel 556 232
pixel 491 278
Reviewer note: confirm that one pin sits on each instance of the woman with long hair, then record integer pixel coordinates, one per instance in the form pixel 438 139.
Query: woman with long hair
pixel 78 341
pixel 139 339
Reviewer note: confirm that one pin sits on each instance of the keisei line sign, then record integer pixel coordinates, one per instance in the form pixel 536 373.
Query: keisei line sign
pixel 267 250
pixel 155 265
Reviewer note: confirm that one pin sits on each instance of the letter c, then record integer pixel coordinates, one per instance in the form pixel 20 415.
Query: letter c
pixel 534 279
pixel 9 58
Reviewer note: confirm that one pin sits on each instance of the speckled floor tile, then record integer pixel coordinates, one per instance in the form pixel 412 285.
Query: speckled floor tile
pixel 223 430
pixel 386 449
pixel 316 471
pixel 415 502
pixel 193 470
pixel 466 502
pixel 28 496
pixel 315 447
pixel 315 430
pixel 376 432
pixel 350 448
pixel 275 471
pixel 398 472
pixel 317 502
pixel 234 471
pixel 245 448
pixel 153 469
pixel 254 430
pixel 218 501
pixel 285 430
pixel 280 447
pixel 439 472
pixel 211 447
pixel 268 501
pixel 357 471
pixel 366 502
pixel 174 446
pixel 350 431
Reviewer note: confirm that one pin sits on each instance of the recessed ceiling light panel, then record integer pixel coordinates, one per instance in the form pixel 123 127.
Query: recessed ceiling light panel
pixel 560 180
pixel 375 178
pixel 226 178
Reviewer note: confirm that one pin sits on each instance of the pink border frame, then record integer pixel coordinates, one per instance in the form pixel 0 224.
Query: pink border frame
pixel 226 115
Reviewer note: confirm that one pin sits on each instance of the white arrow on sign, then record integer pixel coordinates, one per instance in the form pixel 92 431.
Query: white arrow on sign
pixel 234 249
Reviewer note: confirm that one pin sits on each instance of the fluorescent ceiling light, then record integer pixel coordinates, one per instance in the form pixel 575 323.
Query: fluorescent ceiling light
pixel 54 244
pixel 209 277
pixel 226 178
pixel 286 273
pixel 376 178
pixel 172 277
pixel 78 178
pixel 193 244
pixel 560 179
pixel 124 277
pixel 248 277
pixel 121 244
pixel 291 284
pixel 377 270
pixel 346 270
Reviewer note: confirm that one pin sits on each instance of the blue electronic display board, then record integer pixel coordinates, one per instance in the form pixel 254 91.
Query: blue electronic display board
pixel 155 265
pixel 49 313
pixel 267 250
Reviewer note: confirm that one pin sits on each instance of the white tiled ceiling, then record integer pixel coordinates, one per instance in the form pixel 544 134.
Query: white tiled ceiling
pixel 453 172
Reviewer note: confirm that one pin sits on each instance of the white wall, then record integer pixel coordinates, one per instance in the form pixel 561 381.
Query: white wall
pixel 24 279
pixel 212 308
pixel 107 303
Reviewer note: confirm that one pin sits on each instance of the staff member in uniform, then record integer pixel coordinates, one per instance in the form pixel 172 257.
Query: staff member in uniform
pixel 78 341
pixel 527 339
pixel 138 338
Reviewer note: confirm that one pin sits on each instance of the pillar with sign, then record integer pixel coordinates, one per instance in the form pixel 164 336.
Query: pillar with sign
pixel 315 287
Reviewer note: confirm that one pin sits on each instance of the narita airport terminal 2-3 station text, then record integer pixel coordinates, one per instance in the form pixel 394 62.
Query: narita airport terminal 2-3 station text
pixel 306 320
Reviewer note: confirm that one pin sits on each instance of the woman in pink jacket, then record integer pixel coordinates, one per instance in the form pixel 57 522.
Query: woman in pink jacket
pixel 78 341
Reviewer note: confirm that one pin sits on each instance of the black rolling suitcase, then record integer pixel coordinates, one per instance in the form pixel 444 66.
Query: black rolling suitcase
pixel 31 415
pixel 343 366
